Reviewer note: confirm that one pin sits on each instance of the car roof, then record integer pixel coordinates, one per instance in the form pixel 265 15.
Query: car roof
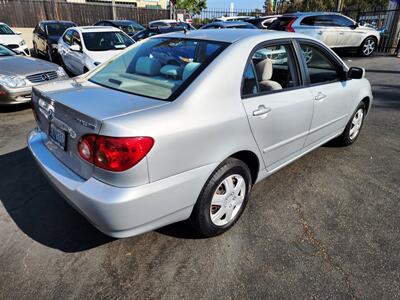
pixel 232 36
pixel 307 14
pixel 56 21
pixel 119 21
pixel 96 29
pixel 165 21
pixel 229 23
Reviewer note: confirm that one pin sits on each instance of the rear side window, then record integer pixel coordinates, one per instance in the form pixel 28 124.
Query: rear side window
pixel 270 69
pixel 321 69
pixel 281 23
pixel 322 20
pixel 159 68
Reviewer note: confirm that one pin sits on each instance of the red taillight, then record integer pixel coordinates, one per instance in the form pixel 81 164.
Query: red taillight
pixel 114 153
pixel 289 26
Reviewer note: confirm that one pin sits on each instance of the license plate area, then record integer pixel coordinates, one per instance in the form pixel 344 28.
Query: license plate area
pixel 58 136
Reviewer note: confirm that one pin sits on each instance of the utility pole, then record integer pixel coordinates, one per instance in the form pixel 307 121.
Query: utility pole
pixel 114 10
pixel 338 5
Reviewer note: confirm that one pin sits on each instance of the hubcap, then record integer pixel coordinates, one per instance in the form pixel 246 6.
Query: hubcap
pixel 356 123
pixel 369 47
pixel 227 200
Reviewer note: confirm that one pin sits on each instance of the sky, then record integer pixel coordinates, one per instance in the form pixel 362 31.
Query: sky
pixel 238 3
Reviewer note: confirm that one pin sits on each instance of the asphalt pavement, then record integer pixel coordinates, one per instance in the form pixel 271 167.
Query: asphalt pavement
pixel 326 226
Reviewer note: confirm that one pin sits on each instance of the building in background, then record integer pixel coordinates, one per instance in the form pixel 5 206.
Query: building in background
pixel 160 4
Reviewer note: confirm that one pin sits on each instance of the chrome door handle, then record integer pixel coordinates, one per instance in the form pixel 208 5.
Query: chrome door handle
pixel 320 96
pixel 261 110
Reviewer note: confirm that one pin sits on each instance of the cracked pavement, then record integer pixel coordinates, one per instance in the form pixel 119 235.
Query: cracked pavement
pixel 326 226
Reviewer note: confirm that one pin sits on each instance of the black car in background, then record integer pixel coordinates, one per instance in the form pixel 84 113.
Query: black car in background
pixel 144 34
pixel 46 36
pixel 262 22
pixel 128 26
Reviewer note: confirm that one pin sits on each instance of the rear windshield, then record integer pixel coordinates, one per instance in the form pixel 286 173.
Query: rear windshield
pixel 159 68
pixel 281 23
pixel 104 41
pixel 58 29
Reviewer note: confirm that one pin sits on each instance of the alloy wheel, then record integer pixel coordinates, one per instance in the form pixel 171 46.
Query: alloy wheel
pixel 356 123
pixel 368 47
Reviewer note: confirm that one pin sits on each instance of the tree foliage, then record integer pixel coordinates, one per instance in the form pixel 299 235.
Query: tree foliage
pixel 193 6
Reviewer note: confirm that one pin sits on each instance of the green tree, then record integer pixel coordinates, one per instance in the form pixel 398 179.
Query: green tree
pixel 193 6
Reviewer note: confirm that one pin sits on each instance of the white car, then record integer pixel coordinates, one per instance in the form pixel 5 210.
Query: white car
pixel 83 48
pixel 13 40
pixel 170 23
pixel 233 18
pixel 333 29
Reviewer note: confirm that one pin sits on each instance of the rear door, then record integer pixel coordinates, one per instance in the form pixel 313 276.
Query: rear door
pixel 278 108
pixel 321 27
pixel 331 96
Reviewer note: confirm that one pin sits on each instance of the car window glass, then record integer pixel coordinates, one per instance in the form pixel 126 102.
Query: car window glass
pixel 320 68
pixel 308 21
pixel 104 41
pixel 68 37
pixel 273 68
pixel 4 29
pixel 76 39
pixel 158 67
pixel 249 87
pixel 342 21
pixel 323 20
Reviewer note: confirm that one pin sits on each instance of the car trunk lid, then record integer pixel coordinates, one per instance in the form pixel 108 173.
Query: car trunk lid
pixel 66 111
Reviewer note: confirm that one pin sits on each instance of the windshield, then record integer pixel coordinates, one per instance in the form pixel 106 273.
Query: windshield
pixel 57 29
pixel 158 67
pixel 104 41
pixel 131 28
pixel 4 29
pixel 5 51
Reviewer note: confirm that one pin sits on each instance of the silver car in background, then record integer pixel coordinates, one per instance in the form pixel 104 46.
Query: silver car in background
pixel 18 74
pixel 335 30
pixel 181 126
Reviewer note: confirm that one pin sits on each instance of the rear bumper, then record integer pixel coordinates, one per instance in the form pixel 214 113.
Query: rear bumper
pixel 122 212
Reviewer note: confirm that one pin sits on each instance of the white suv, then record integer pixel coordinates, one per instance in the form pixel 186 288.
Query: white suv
pixel 333 29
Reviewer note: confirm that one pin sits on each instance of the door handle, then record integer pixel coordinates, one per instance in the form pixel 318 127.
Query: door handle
pixel 320 96
pixel 261 110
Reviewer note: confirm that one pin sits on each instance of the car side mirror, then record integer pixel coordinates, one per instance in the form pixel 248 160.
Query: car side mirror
pixel 356 73
pixel 354 26
pixel 75 48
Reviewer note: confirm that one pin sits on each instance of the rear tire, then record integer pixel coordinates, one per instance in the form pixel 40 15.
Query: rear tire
pixel 222 199
pixel 368 46
pixel 353 127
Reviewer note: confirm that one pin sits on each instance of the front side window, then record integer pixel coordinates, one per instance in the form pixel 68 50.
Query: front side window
pixel 68 37
pixel 273 69
pixel 4 29
pixel 342 21
pixel 320 68
pixel 104 41
pixel 159 67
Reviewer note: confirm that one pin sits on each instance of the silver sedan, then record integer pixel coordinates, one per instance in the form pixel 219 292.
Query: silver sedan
pixel 181 126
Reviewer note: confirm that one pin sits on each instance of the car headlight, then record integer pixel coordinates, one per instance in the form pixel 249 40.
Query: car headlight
pixel 61 72
pixel 12 81
pixel 21 43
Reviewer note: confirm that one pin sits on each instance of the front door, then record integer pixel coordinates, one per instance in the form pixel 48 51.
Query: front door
pixel 330 95
pixel 278 109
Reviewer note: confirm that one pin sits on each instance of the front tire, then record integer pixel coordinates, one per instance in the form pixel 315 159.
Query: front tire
pixel 353 127
pixel 222 199
pixel 368 47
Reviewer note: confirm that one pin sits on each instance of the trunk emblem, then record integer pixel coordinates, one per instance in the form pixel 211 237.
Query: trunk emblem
pixel 85 123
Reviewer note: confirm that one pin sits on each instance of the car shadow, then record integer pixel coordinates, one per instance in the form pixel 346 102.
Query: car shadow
pixel 39 211
pixel 181 230
pixel 14 107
